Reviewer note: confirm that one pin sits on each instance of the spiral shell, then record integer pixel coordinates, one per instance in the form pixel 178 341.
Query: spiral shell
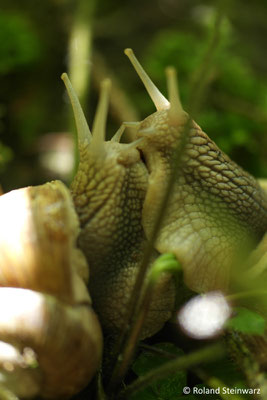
pixel 47 307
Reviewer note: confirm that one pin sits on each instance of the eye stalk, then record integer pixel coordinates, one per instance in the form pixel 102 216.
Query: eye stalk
pixel 99 125
pixel 173 105
pixel 84 134
pixel 161 103
pixel 176 108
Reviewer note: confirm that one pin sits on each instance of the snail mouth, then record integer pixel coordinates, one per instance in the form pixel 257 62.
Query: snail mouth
pixel 142 157
pixel 143 160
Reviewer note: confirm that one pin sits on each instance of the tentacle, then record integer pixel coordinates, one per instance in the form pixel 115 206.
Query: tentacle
pixel 133 125
pixel 161 103
pixel 99 125
pixel 176 106
pixel 147 131
pixel 84 134
pixel 117 136
pixel 132 144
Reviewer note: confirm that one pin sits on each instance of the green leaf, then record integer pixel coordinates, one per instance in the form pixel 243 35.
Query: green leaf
pixel 247 321
pixel 164 389
pixel 225 370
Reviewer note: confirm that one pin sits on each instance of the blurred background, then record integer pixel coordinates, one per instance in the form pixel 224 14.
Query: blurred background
pixel 41 39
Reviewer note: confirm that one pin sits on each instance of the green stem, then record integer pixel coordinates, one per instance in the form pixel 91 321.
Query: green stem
pixel 121 105
pixel 208 354
pixel 124 345
pixel 202 74
pixel 246 294
pixel 216 383
pixel 80 49
pixel 164 264
pixel 100 394
pixel 127 342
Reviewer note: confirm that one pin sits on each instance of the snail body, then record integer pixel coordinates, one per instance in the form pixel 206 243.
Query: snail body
pixel 108 193
pixel 217 211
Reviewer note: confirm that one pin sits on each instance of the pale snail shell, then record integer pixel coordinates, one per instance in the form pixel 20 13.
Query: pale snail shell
pixel 47 306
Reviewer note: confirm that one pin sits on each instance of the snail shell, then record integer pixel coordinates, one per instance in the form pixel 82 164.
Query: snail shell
pixel 47 307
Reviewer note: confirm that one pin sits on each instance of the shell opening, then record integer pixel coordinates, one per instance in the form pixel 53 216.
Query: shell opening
pixel 84 134
pixel 161 103
pixel 99 125
pixel 176 106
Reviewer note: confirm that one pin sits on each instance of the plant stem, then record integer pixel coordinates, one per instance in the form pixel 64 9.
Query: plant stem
pixel 208 354
pixel 246 294
pixel 128 340
pixel 164 264
pixel 133 306
pixel 121 105
pixel 216 383
pixel 80 49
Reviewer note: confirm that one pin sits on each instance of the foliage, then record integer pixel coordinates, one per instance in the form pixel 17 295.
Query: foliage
pixel 6 155
pixel 34 42
pixel 34 53
pixel 19 45
pixel 234 111
pixel 172 388
pixel 165 389
pixel 247 321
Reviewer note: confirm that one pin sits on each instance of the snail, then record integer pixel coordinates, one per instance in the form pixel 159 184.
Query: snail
pixel 43 271
pixel 46 312
pixel 52 235
pixel 108 192
pixel 217 212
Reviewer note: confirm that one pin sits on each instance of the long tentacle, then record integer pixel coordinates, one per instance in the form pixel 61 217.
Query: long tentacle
pixel 161 103
pixel 84 134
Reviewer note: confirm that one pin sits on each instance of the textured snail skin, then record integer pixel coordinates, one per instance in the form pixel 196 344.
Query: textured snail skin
pixel 216 211
pixel 112 237
pixel 108 193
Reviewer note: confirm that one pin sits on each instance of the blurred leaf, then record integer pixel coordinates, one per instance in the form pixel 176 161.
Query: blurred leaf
pixel 234 109
pixel 226 371
pixel 164 389
pixel 6 155
pixel 19 44
pixel 247 321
